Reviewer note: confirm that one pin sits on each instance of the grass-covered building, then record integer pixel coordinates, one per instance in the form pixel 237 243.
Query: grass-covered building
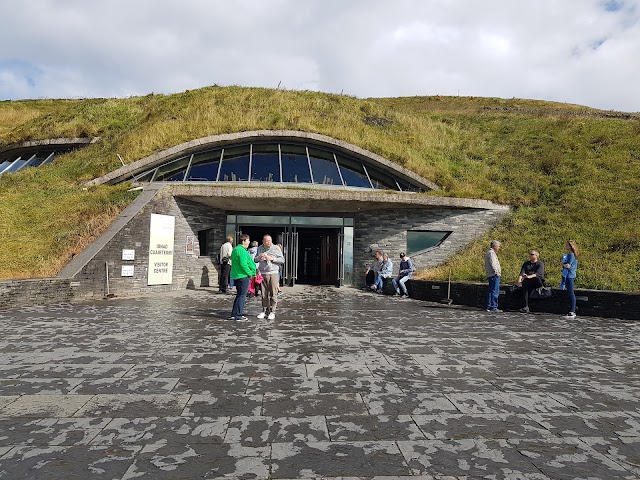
pixel 330 177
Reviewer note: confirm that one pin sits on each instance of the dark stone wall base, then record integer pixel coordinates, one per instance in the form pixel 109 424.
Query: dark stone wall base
pixel 599 303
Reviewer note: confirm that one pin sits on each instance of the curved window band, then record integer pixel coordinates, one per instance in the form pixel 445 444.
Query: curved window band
pixel 281 163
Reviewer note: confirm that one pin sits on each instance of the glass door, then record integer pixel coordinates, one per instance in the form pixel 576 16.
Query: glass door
pixel 290 246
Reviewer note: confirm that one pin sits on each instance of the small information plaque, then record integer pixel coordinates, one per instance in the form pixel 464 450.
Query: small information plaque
pixel 128 254
pixel 127 271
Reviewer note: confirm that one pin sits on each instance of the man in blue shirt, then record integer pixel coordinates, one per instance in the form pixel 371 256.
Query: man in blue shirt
pixel 406 272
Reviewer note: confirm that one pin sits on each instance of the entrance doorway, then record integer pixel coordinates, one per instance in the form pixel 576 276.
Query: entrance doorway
pixel 317 254
pixel 318 250
pixel 311 254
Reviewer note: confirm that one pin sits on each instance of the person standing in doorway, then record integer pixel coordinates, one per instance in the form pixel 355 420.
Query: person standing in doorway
pixel 406 272
pixel 242 269
pixel 569 272
pixel 225 264
pixel 269 259
pixel 493 271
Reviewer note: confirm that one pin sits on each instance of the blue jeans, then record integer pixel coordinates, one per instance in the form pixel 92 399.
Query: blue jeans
pixel 378 282
pixel 572 295
pixel 494 292
pixel 242 287
pixel 400 284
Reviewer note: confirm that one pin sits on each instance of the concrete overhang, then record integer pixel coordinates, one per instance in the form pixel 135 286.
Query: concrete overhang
pixel 326 200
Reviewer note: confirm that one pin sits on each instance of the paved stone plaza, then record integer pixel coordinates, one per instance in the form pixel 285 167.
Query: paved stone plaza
pixel 343 383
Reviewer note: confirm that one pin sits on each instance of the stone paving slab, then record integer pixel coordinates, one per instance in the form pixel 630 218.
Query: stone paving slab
pixel 342 385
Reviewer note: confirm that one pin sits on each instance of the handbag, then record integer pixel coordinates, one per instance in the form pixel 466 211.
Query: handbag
pixel 258 277
pixel 541 292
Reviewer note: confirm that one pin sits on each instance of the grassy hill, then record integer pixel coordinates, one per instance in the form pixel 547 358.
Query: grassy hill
pixel 568 171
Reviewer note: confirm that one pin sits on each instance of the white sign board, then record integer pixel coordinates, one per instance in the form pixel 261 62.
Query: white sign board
pixel 127 271
pixel 128 254
pixel 161 236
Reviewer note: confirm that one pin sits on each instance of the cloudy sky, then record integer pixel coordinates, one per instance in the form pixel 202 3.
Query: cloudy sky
pixel 575 51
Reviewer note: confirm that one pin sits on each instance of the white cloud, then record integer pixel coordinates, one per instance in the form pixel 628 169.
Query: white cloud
pixel 573 51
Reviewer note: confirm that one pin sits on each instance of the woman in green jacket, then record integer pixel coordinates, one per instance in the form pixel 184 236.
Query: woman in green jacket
pixel 242 269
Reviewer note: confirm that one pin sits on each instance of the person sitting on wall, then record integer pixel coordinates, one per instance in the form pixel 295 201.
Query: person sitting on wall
pixel 386 271
pixel 371 273
pixel 405 273
pixel 531 277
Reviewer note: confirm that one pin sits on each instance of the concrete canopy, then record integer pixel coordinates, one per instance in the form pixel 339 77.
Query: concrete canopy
pixel 308 199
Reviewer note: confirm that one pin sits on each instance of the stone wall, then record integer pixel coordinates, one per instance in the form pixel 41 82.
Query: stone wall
pixel 189 271
pixel 386 230
pixel 601 303
pixel 41 291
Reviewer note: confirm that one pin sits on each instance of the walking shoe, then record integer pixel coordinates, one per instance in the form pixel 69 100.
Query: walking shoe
pixel 272 316
pixel 241 319
pixel 279 294
pixel 494 310
pixel 398 292
pixel 570 315
pixel 373 287
pixel 524 310
pixel 231 317
pixel 261 315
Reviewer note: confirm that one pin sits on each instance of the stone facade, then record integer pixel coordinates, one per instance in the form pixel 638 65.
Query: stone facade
pixel 189 271
pixel 386 230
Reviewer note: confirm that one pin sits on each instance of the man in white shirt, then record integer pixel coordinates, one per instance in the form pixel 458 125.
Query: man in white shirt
pixel 225 264
pixel 493 271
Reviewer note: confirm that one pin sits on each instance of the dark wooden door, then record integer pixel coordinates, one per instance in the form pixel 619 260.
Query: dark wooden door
pixel 329 258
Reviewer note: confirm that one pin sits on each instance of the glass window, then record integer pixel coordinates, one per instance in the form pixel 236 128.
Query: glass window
pixel 265 163
pixel 324 168
pixel 347 256
pixel 325 221
pixel 419 240
pixel 4 165
pixel 235 164
pixel 145 177
pixel 353 173
pixel 381 180
pixel 204 167
pixel 15 166
pixel 264 219
pixel 295 166
pixel 173 171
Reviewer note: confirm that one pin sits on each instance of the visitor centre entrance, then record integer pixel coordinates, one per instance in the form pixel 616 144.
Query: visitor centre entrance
pixel 317 249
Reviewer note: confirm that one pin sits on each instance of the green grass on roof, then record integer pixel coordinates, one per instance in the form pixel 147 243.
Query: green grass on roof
pixel 567 170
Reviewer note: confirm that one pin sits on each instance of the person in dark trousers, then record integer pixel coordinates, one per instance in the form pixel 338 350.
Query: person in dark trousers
pixel 404 274
pixel 493 271
pixel 225 264
pixel 531 277
pixel 569 269
pixel 371 273
pixel 242 269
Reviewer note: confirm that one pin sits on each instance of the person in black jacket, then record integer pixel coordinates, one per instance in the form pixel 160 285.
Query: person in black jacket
pixel 531 277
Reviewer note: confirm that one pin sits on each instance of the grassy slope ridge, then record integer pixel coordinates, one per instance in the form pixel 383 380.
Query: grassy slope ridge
pixel 570 172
